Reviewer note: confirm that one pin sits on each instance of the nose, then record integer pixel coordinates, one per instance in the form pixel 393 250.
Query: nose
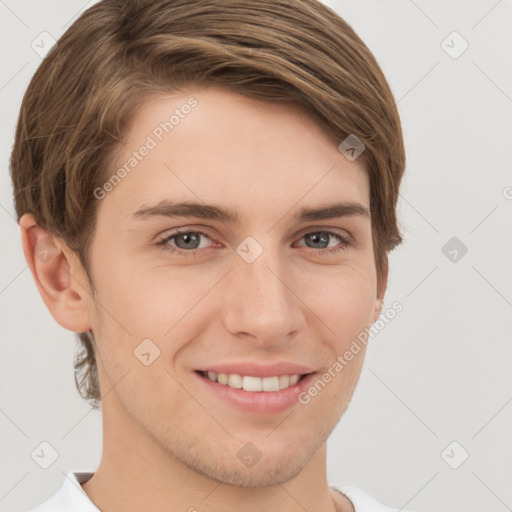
pixel 259 301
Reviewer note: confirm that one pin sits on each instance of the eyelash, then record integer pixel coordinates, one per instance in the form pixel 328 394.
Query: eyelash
pixel 164 246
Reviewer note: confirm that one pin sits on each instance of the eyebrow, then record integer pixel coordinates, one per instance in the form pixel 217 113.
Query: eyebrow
pixel 168 208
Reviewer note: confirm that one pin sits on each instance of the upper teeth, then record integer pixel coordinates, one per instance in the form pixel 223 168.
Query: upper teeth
pixel 249 383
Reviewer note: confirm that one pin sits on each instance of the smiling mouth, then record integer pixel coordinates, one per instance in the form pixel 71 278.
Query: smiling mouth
pixel 251 383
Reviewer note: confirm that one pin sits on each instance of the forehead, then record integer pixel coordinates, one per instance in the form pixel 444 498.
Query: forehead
pixel 218 146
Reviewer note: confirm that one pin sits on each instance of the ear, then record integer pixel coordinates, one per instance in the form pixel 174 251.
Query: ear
pixel 383 284
pixel 58 275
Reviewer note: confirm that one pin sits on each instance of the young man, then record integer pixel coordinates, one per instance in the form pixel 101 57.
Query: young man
pixel 206 193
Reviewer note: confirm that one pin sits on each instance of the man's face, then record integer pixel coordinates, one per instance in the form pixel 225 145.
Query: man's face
pixel 266 289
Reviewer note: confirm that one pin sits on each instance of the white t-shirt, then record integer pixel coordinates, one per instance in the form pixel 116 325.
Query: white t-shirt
pixel 72 498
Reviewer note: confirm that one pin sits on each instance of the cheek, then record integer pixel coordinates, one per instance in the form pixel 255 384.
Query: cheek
pixel 343 298
pixel 155 311
pixel 129 299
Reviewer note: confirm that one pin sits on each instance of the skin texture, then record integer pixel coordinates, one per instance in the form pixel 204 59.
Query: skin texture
pixel 168 444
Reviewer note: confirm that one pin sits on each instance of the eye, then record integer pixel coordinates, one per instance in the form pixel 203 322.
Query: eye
pixel 323 238
pixel 187 242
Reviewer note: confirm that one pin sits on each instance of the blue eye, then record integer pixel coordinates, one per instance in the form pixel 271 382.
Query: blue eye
pixel 189 239
pixel 190 242
pixel 323 237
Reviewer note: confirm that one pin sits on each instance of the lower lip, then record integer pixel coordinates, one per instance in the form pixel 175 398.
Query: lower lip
pixel 260 402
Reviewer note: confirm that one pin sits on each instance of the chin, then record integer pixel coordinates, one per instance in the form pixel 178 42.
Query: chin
pixel 275 464
pixel 263 474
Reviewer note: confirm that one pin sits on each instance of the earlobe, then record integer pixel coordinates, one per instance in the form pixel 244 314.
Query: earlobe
pixel 55 270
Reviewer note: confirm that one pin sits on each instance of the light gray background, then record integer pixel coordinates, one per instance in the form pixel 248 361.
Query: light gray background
pixel 439 372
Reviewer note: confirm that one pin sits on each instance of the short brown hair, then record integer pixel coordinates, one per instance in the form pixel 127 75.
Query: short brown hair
pixel 120 53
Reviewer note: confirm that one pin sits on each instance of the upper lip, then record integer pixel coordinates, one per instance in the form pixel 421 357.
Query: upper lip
pixel 258 370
